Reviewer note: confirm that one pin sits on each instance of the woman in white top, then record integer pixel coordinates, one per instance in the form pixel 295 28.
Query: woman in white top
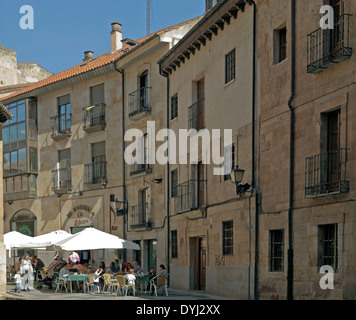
pixel 26 270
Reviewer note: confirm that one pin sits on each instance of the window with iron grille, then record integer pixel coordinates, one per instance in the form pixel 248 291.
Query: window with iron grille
pixel 174 106
pixel 230 66
pixel 228 233
pixel 174 182
pixel 327 250
pixel 174 240
pixel 276 250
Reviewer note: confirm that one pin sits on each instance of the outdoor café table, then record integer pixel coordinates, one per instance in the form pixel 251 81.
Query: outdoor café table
pixel 77 277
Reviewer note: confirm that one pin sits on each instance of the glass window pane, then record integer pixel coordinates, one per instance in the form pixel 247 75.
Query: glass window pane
pixel 21 113
pixel 6 163
pixel 33 182
pixel 22 131
pixel 22 160
pixel 32 131
pixel 5 135
pixel 13 112
pixel 33 159
pixel 13 133
pixel 14 162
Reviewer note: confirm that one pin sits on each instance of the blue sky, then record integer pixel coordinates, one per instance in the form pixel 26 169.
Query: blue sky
pixel 64 29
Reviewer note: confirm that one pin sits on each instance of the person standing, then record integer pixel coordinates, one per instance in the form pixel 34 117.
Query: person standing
pixel 26 269
pixel 17 278
pixel 73 257
pixel 96 280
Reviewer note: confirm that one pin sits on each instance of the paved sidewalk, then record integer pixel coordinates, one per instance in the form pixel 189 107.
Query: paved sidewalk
pixel 49 294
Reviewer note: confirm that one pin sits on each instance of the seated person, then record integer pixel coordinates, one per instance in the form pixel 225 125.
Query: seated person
pixel 130 277
pixel 138 270
pixel 64 271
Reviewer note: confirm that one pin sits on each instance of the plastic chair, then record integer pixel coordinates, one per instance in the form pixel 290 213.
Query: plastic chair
pixel 161 282
pixel 108 283
pixel 122 284
pixel 90 283
pixel 60 284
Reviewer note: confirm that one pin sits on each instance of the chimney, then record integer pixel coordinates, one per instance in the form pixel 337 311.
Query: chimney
pixel 88 55
pixel 116 36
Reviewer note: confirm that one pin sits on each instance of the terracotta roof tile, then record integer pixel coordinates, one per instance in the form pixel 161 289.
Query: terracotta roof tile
pixel 94 63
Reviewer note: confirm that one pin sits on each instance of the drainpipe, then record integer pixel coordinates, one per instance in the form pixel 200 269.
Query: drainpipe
pixel 291 165
pixel 253 183
pixel 168 172
pixel 123 152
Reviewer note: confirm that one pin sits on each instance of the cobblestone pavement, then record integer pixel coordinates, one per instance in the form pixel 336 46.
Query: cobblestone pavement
pixel 49 294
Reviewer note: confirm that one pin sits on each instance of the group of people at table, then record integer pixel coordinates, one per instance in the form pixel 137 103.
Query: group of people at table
pixel 68 271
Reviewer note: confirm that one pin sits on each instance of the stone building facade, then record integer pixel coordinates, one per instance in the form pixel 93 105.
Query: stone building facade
pixel 322 221
pixel 290 111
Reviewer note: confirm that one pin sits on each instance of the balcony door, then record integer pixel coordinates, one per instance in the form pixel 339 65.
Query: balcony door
pixel 64 121
pixel 198 178
pixel 333 145
pixel 200 101
pixel 64 169
pixel 98 161
pixel 143 79
pixel 144 205
pixel 335 34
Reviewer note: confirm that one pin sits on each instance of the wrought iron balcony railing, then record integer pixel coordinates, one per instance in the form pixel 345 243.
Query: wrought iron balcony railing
pixel 196 117
pixel 62 180
pixel 137 168
pixel 139 103
pixel 139 215
pixel 190 195
pixel 325 174
pixel 61 126
pixel 326 47
pixel 94 116
pixel 95 172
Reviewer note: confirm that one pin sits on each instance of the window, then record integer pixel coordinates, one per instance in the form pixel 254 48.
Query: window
pixel 280 45
pixel 174 106
pixel 228 233
pixel 327 249
pixel 174 182
pixel 229 161
pixel 33 159
pixel 230 66
pixel 276 250
pixel 64 116
pixel 174 241
pixel 97 94
pixel 22 160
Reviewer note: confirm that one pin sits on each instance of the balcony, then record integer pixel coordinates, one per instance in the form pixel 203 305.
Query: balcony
pixel 325 174
pixel 61 126
pixel 137 168
pixel 190 195
pixel 95 173
pixel 94 118
pixel 139 216
pixel 62 180
pixel 139 103
pixel 327 47
pixel 196 117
